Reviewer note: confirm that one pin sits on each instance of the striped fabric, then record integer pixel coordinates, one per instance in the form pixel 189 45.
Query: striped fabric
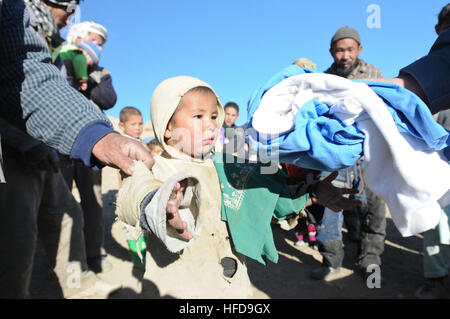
pixel 92 49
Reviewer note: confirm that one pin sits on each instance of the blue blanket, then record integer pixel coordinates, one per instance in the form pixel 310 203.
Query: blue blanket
pixel 322 142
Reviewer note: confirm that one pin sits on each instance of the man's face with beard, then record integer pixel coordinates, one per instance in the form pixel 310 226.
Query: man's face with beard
pixel 345 53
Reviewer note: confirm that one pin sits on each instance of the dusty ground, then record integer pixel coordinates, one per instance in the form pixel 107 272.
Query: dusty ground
pixel 289 278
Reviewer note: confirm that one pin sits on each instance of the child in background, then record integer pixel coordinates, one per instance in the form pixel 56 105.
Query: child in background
pixel 204 215
pixel 231 110
pixel 81 56
pixel 230 139
pixel 154 147
pixel 131 124
pixel 305 232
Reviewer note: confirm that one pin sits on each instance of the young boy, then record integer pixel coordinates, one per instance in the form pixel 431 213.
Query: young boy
pixel 204 215
pixel 83 55
pixel 231 110
pixel 232 138
pixel 131 124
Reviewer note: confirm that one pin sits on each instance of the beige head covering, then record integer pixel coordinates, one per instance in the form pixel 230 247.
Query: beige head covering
pixel 82 30
pixel 165 100
pixel 305 63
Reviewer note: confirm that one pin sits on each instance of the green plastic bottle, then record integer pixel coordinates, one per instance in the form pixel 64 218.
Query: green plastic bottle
pixel 138 249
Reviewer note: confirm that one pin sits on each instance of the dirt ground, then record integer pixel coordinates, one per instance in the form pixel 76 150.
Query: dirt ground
pixel 401 271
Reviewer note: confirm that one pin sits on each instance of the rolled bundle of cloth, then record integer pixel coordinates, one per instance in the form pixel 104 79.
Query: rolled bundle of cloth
pixel 325 122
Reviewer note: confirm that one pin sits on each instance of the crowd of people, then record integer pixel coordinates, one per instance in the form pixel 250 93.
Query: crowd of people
pixel 193 201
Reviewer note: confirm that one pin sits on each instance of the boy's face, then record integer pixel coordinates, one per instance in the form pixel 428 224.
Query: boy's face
pixel 133 126
pixel 231 115
pixel 156 150
pixel 193 128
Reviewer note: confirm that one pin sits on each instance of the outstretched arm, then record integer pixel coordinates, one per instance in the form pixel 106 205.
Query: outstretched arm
pixel 408 82
pixel 155 206
pixel 325 194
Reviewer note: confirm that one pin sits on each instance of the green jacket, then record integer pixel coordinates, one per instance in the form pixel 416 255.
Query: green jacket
pixel 249 201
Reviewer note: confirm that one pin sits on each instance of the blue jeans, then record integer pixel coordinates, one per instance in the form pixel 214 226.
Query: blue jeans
pixel 368 220
pixel 331 226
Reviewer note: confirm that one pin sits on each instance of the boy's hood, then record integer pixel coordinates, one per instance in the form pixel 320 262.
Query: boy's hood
pixel 165 100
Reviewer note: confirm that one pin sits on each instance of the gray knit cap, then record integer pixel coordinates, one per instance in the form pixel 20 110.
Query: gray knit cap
pixel 344 33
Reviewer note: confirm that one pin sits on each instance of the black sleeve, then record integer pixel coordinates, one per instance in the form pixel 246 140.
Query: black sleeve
pixel 103 93
pixel 432 72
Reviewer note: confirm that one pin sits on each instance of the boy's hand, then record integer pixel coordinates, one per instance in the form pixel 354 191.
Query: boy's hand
pixel 331 196
pixel 83 86
pixel 173 216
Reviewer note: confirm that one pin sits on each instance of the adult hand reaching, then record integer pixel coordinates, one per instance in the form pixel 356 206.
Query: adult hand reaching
pixel 327 195
pixel 119 152
pixel 406 81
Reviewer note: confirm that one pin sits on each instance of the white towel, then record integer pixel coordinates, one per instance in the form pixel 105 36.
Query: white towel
pixel 413 179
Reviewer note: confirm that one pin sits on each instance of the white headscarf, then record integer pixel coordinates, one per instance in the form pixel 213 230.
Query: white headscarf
pixel 165 100
pixel 82 30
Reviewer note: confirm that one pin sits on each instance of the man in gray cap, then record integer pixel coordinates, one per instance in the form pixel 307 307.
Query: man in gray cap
pixel 345 48
pixel 366 224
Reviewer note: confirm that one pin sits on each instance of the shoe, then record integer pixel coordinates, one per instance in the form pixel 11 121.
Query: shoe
pixel 299 236
pixel 100 290
pixel 433 288
pixel 99 264
pixel 312 233
pixel 301 243
pixel 324 272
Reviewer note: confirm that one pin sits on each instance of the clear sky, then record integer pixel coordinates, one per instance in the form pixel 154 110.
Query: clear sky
pixel 236 45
